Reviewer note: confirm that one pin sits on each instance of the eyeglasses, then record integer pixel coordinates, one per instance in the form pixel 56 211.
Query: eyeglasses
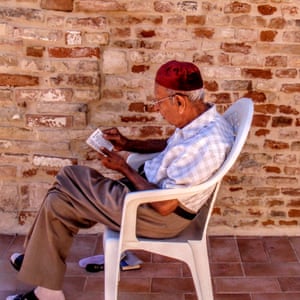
pixel 157 101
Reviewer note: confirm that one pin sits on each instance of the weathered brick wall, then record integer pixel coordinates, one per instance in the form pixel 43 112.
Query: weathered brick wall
pixel 67 67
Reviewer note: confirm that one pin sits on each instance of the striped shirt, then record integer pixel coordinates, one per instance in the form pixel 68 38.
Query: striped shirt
pixel 192 155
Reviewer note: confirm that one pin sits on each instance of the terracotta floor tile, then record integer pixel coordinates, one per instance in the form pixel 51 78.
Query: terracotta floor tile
pixel 295 244
pixel 223 250
pixel 226 269
pixel 136 285
pixel 290 284
pixel 280 249
pixel 268 269
pixel 252 250
pixel 5 242
pixel 269 296
pixel 245 285
pixel 233 297
pixel 184 285
pixel 150 296
pixel 152 270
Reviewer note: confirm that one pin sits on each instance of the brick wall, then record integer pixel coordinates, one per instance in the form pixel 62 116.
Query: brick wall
pixel 67 67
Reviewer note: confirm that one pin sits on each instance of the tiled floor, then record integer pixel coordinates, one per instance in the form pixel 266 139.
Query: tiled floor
pixel 243 268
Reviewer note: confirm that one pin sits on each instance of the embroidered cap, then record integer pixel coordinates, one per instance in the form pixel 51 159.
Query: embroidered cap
pixel 179 76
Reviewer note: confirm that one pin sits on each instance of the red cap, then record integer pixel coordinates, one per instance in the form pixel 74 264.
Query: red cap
pixel 179 76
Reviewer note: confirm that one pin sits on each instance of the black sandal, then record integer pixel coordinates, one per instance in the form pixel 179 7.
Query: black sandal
pixel 28 296
pixel 16 261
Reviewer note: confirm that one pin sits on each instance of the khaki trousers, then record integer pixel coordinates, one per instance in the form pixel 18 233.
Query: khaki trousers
pixel 80 198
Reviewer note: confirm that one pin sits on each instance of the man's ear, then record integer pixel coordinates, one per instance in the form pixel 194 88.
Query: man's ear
pixel 180 101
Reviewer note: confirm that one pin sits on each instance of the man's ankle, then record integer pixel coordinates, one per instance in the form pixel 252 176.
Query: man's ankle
pixel 43 293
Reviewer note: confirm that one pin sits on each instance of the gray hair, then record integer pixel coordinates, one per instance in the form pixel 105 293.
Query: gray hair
pixel 195 95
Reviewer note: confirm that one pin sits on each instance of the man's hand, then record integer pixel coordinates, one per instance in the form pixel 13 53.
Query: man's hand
pixel 113 160
pixel 116 138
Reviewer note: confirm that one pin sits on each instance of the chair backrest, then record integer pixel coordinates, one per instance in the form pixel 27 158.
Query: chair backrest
pixel 240 116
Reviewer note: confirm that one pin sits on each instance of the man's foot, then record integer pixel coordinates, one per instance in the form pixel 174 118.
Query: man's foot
pixel 16 260
pixel 28 296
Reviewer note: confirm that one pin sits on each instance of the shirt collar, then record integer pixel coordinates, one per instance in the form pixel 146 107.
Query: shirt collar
pixel 200 121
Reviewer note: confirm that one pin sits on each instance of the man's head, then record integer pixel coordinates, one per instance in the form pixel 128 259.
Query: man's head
pixel 179 92
pixel 179 76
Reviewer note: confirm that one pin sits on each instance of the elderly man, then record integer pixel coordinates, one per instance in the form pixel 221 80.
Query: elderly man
pixel 82 197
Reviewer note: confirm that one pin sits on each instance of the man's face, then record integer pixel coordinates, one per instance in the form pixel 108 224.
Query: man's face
pixel 166 105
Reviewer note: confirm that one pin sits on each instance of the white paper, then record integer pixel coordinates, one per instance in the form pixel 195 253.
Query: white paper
pixel 96 141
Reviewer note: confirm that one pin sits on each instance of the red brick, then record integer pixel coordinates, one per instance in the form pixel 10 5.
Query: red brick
pixel 277 23
pixel 294 203
pixel 291 88
pixel 150 131
pixel 266 108
pixel 261 191
pixel 286 73
pixel 139 68
pixel 146 34
pixel 275 202
pixel 30 172
pixel 268 222
pixel 18 80
pixel 135 119
pixel 76 52
pixel 204 33
pixel 295 146
pixel 272 169
pixel 66 5
pixel 237 7
pixel 288 223
pixel 137 107
pixel 262 132
pixel 98 6
pixel 291 192
pixel 236 48
pixel 203 59
pixel 121 32
pixel 211 85
pixel 99 22
pixel 266 9
pixel 257 97
pixel 260 120
pixel 286 109
pixel 195 20
pixel 275 145
pixel 281 121
pixel 35 51
pixel 276 61
pixel 257 73
pixel 268 35
pixel 294 213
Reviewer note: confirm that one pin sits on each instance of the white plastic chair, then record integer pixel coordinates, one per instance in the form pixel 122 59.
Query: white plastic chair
pixel 191 245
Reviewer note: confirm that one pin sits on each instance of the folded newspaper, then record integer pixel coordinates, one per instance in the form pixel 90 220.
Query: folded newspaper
pixel 129 261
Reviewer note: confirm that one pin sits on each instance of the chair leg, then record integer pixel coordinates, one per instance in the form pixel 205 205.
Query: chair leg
pixel 201 272
pixel 111 269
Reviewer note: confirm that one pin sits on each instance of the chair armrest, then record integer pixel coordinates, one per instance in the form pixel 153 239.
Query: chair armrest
pixel 134 199
pixel 135 160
